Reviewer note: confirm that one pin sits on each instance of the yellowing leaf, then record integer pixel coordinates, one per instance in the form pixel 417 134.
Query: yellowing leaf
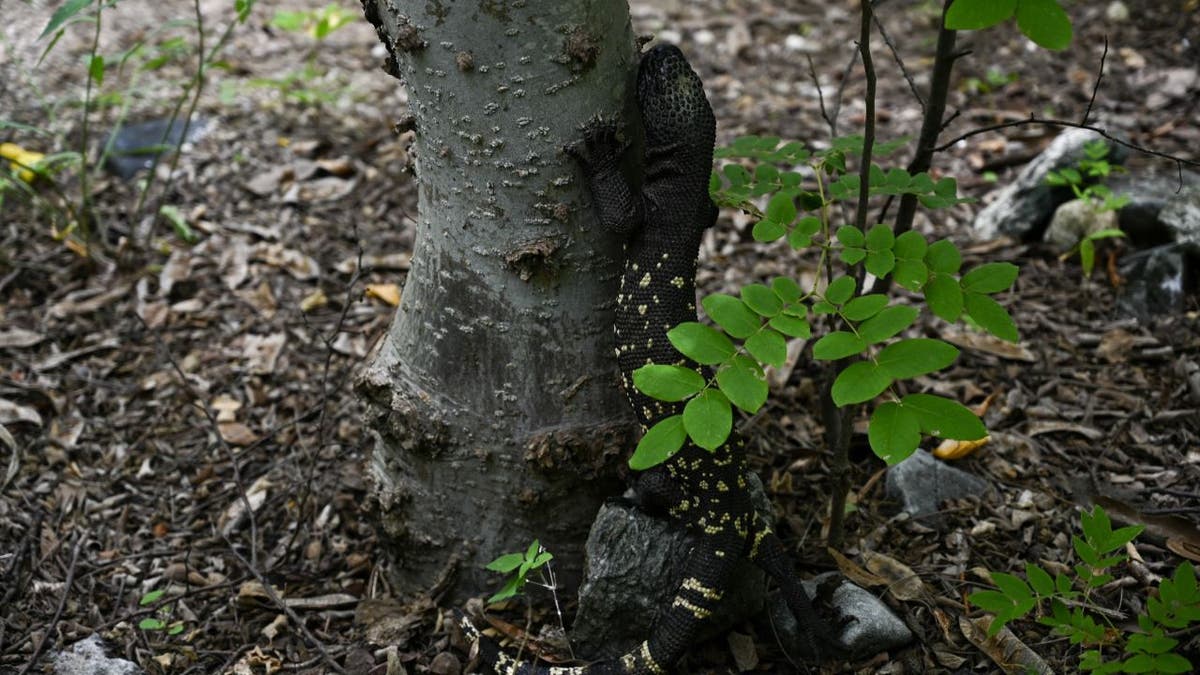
pixel 952 449
pixel 21 160
pixel 314 300
pixel 389 293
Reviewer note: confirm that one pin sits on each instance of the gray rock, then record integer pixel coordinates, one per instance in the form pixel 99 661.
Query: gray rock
pixel 634 568
pixel 90 656
pixel 1022 208
pixel 1181 213
pixel 921 483
pixel 133 147
pixel 1148 191
pixel 1075 220
pixel 1158 280
pixel 868 625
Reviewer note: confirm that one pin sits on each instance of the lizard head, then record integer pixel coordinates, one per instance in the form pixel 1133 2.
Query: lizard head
pixel 671 98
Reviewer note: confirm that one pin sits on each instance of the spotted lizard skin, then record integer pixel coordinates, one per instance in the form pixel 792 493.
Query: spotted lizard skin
pixel 663 224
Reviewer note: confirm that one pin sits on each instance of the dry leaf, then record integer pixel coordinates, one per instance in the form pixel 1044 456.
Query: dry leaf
pixel 314 300
pixel 261 352
pixel 854 572
pixel 388 293
pixel 226 407
pixel 11 412
pixel 952 449
pixel 744 653
pixel 236 433
pixel 903 582
pixel 233 516
pixel 387 261
pixel 14 462
pixel 272 629
pixel 982 342
pixel 87 300
pixel 1004 648
pixel 19 338
pixel 1038 427
pixel 295 263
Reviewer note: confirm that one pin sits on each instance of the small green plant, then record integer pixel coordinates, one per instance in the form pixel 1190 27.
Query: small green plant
pixel 520 565
pixel 1083 179
pixel 161 621
pixel 1062 603
pixel 1042 21
pixel 993 80
pixel 303 85
pixel 866 324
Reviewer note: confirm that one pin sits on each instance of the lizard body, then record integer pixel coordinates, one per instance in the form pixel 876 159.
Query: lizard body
pixel 663 223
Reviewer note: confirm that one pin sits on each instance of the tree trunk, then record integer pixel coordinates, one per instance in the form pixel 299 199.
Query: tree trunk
pixel 494 399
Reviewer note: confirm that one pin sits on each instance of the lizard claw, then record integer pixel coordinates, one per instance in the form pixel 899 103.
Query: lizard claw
pixel 603 141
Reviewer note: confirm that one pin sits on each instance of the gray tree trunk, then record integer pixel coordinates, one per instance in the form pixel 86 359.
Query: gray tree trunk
pixel 494 398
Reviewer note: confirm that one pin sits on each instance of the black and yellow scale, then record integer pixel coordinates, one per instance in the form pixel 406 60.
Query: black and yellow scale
pixel 663 224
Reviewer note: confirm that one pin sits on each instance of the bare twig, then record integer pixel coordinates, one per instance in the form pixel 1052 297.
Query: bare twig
pixel 812 72
pixel 216 429
pixel 1096 87
pixel 285 608
pixel 887 39
pixel 62 604
pixel 1033 119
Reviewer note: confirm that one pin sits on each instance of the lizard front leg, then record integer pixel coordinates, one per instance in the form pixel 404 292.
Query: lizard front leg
pixel 618 205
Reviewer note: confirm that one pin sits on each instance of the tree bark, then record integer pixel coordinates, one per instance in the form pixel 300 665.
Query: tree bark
pixel 494 399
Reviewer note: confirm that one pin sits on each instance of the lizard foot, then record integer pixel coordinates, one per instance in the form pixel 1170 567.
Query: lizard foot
pixel 603 142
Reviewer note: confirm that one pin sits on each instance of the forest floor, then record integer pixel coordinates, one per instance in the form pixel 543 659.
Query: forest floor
pixel 153 400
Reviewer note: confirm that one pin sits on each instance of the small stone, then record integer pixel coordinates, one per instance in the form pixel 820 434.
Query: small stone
pixel 1117 12
pixel 90 657
pixel 445 664
pixel 1181 213
pixel 1075 220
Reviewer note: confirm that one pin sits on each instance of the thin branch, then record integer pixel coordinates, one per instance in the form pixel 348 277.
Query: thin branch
pixel 864 171
pixel 837 98
pixel 812 72
pixel 1033 119
pixel 1096 85
pixel 62 604
pixel 887 39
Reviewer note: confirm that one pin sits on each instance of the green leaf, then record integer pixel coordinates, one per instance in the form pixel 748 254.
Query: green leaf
pixel 809 225
pixel 151 597
pixel 864 306
pixel 176 628
pixel 1012 586
pixel 1039 579
pixel 667 383
pixel 762 300
pixel 1172 663
pixel 510 589
pixel 944 297
pixel 880 263
pixel 859 382
pixel 852 255
pixel 943 257
pixel 990 278
pixel 743 382
pixel 708 419
pixel 506 563
pixel 989 314
pixel 838 345
pixel 910 246
pixel 96 68
pixel 944 418
pixel 887 323
pixel 913 358
pixel 894 432
pixel 880 237
pixel 1044 22
pixel 910 274
pixel 736 174
pixel 1087 256
pixel 731 314
pixel 63 14
pixel 978 14
pixel 990 601
pixel 768 346
pixel 178 223
pixel 152 623
pixel 767 230
pixel 787 289
pixel 849 235
pixel 840 290
pixel 791 326
pixel 661 441
pixel 700 343
pixel 782 208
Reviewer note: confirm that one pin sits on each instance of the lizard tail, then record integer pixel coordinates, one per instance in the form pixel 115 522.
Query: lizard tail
pixel 699 595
